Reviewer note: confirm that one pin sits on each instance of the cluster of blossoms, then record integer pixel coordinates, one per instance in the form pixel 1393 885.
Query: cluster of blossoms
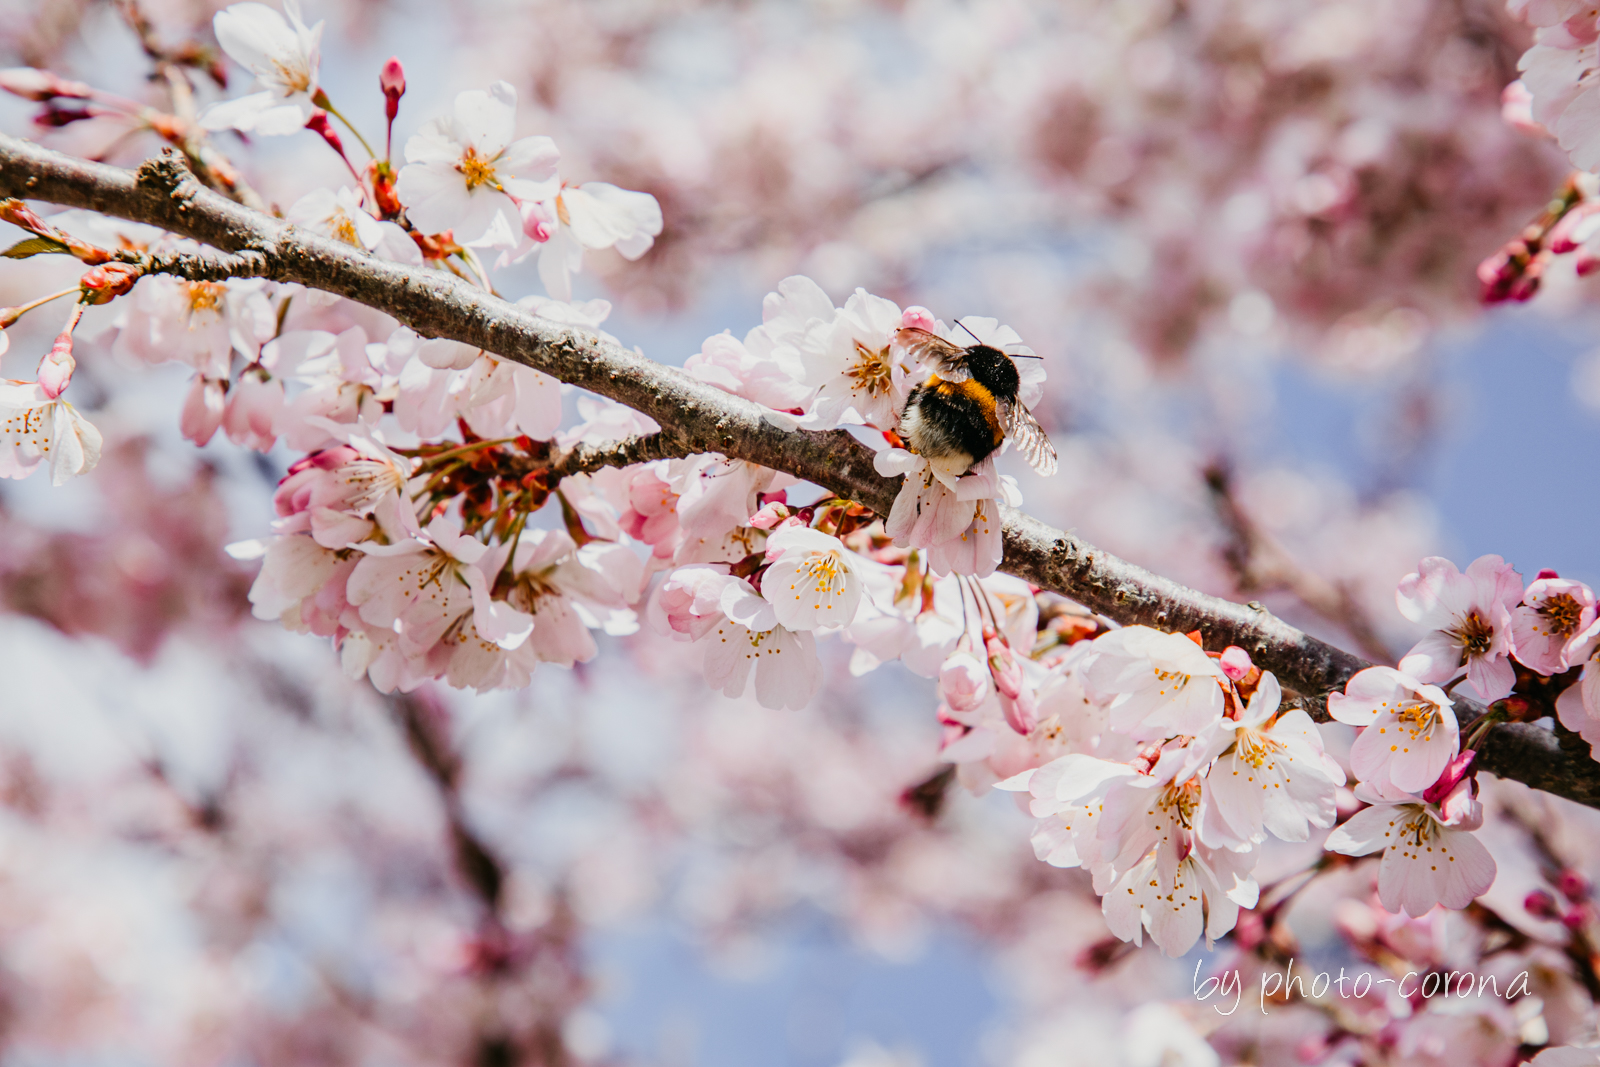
pixel 431 530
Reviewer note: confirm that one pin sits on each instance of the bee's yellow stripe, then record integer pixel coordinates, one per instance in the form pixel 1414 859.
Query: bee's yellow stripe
pixel 974 391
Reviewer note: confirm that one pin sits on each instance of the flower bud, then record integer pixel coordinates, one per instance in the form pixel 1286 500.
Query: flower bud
pixel 1574 885
pixel 963 681
pixel 538 221
pixel 1235 662
pixel 55 369
pixel 1541 904
pixel 106 282
pixel 40 85
pixel 918 318
pixel 318 123
pixel 392 80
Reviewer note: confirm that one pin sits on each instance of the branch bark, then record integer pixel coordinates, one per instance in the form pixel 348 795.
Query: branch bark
pixel 696 417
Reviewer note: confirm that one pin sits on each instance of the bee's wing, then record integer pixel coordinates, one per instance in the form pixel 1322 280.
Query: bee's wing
pixel 1029 438
pixel 947 360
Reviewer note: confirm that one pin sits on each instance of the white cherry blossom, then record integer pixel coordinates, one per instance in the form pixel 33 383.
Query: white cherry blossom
pixel 812 580
pixel 464 173
pixel 594 216
pixel 1158 684
pixel 1272 777
pixel 283 53
pixel 1202 893
pixel 36 428
pixel 855 366
pixel 787 670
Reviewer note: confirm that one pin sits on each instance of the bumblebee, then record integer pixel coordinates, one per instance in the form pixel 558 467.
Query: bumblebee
pixel 968 406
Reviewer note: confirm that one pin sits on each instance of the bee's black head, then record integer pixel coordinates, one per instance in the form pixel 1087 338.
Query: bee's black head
pixel 993 369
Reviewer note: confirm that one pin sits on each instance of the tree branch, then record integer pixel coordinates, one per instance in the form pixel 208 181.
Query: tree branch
pixel 696 417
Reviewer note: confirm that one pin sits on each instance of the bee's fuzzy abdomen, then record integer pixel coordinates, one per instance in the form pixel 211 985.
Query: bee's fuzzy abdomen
pixel 945 419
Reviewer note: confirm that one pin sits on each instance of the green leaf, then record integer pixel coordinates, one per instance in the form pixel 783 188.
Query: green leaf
pixel 34 246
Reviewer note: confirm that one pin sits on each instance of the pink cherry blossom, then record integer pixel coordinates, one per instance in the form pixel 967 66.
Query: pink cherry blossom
pixel 253 408
pixel 1430 856
pixel 203 409
pixel 729 364
pixel 198 323
pixel 1410 730
pixel 1578 706
pixel 1470 616
pixel 1547 629
pixel 964 681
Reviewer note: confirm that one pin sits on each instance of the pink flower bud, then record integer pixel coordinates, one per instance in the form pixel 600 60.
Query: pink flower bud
pixel 40 85
pixel 318 123
pixel 1541 904
pixel 538 221
pixel 55 369
pixel 1235 662
pixel 769 516
pixel 1546 573
pixel 1575 918
pixel 202 410
pixel 392 79
pixel 1574 885
pixel 1453 773
pixel 963 682
pixel 918 318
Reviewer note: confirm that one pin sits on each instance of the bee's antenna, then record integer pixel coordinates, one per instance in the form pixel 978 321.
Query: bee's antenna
pixel 974 336
pixel 1023 355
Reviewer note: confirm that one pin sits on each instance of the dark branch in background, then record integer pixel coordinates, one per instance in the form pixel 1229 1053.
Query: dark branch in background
pixel 546 958
pixel 696 417
pixel 1261 565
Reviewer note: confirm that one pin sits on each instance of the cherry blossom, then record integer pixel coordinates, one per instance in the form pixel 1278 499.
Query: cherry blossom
pixel 1410 728
pixel 1470 616
pixel 1578 706
pixel 811 581
pixel 198 323
pixel 1202 894
pixel 203 408
pixel 465 173
pixel 1158 684
pixel 856 367
pixel 1548 628
pixel 283 54
pixel 1273 776
pixel 1430 856
pixel 35 427
pixel 593 216
pixel 417 588
pixel 730 365
pixel 339 214
pixel 1558 72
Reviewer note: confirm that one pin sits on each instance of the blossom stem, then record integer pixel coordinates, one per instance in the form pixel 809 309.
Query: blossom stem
pixel 322 101
pixel 9 316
